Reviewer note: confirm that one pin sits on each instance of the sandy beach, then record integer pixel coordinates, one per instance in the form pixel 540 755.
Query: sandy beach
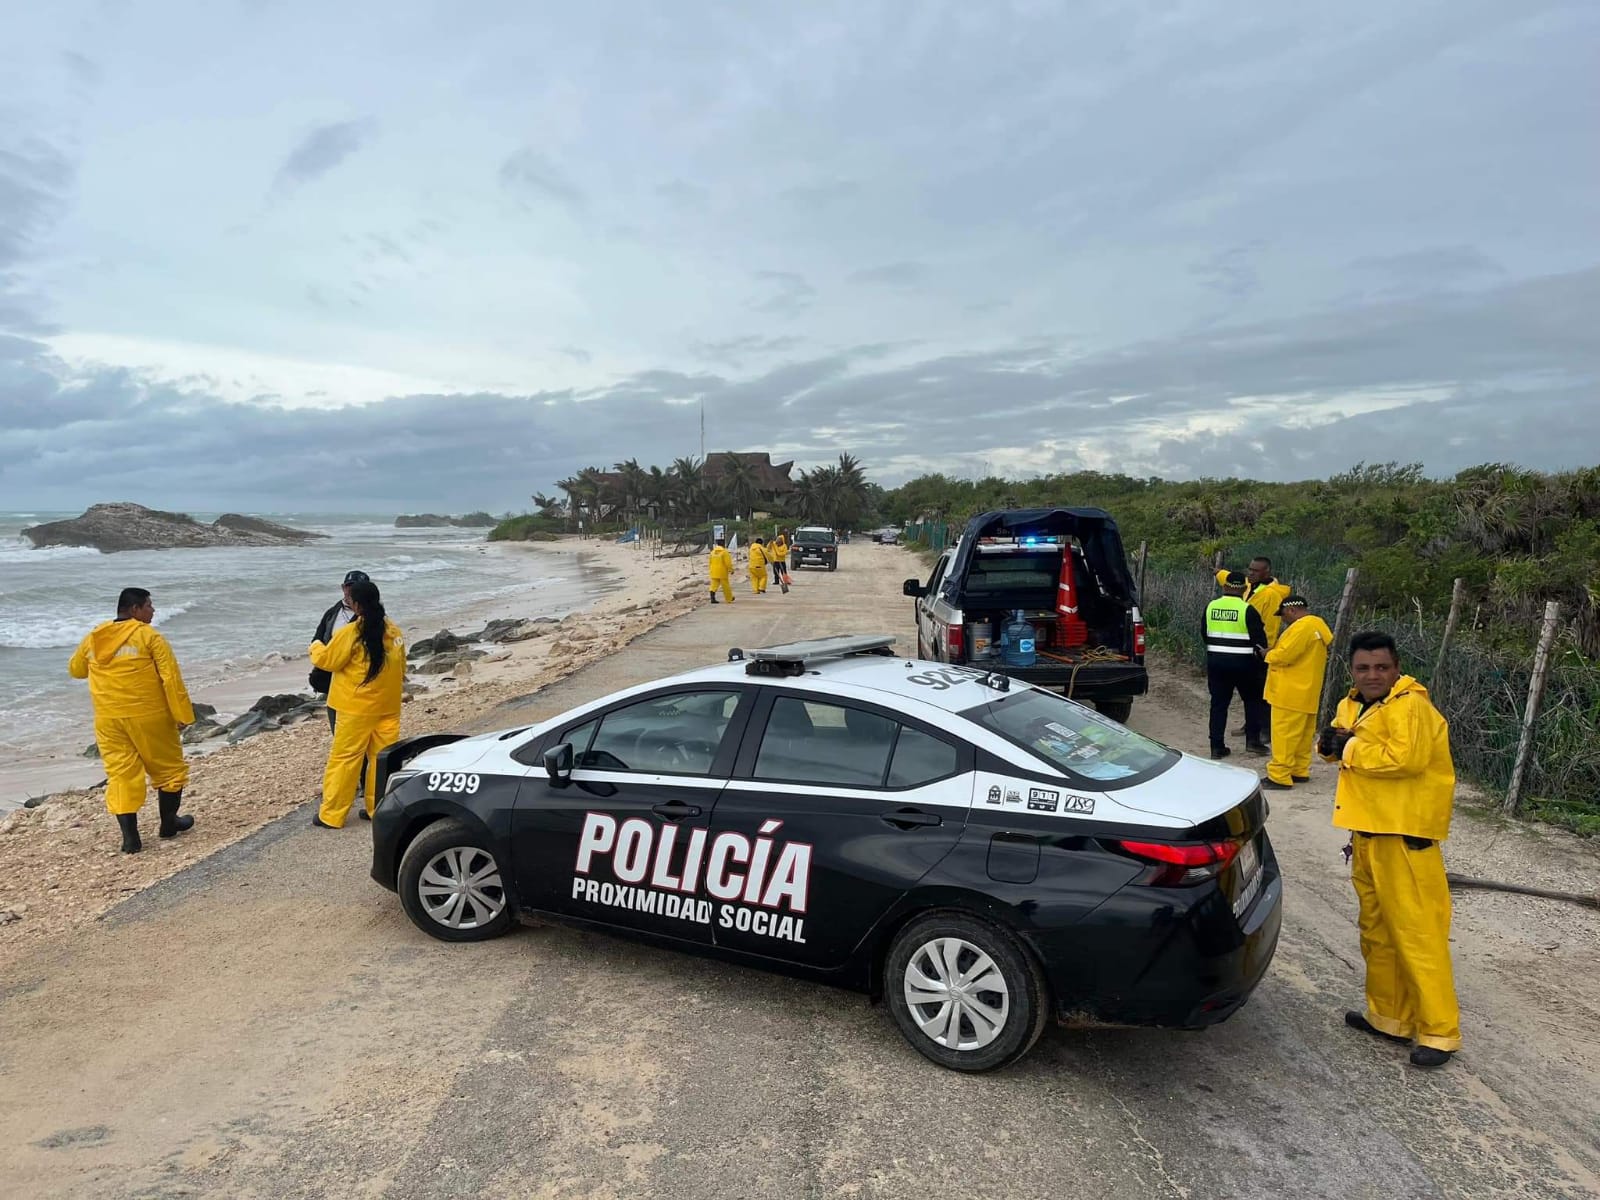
pixel 59 862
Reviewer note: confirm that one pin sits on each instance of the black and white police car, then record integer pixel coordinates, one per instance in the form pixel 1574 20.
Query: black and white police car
pixel 982 854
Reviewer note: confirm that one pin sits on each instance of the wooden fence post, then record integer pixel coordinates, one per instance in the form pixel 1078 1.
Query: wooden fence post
pixel 1458 592
pixel 1144 557
pixel 1341 629
pixel 1530 714
pixel 1216 561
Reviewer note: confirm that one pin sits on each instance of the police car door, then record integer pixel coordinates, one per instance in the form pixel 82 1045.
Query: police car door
pixel 835 811
pixel 624 843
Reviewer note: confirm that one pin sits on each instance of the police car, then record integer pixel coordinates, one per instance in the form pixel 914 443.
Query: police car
pixel 983 855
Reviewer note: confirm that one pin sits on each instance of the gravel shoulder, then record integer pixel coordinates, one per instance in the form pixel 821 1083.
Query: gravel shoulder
pixel 268 1023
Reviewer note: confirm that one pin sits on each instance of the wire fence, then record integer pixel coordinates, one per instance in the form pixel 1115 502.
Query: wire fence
pixel 1482 690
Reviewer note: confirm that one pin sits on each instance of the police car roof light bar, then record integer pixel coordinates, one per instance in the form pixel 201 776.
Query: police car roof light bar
pixel 793 658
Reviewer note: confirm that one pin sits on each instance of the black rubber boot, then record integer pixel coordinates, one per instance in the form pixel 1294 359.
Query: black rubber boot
pixel 171 823
pixel 1427 1056
pixel 1359 1021
pixel 130 832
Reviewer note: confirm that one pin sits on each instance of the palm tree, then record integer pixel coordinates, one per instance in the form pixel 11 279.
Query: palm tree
pixel 547 504
pixel 656 491
pixel 851 498
pixel 738 482
pixel 575 489
pixel 688 477
pixel 631 484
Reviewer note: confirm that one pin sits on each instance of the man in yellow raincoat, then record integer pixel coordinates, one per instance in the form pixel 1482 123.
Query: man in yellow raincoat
pixel 139 703
pixel 778 556
pixel 1266 595
pixel 721 571
pixel 367 659
pixel 758 566
pixel 1295 670
pixel 1396 792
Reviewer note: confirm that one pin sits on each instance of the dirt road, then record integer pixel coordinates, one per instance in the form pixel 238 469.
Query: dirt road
pixel 268 1023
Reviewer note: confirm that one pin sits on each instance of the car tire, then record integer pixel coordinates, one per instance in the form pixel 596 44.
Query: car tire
pixel 833 566
pixel 922 954
pixel 475 911
pixel 1117 710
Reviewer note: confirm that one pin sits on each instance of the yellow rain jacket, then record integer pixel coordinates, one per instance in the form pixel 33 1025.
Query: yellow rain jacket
pixel 758 558
pixel 346 658
pixel 131 672
pixel 721 565
pixel 1267 599
pixel 1396 775
pixel 1295 666
pixel 780 549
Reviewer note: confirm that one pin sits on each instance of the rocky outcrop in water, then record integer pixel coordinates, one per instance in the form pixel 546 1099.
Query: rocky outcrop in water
pixel 475 520
pixel 113 527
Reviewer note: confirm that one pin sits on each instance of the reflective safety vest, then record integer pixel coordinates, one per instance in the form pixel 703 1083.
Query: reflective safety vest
pixel 1228 633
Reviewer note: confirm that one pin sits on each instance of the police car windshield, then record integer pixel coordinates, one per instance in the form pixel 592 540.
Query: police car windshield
pixel 1071 738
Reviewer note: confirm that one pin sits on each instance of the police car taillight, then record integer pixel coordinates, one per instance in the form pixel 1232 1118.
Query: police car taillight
pixel 1174 864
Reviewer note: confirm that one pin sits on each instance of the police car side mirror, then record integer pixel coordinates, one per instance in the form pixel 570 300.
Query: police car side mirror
pixel 913 588
pixel 558 764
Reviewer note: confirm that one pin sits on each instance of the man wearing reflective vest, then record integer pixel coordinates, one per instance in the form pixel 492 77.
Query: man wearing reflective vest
pixel 1236 641
pixel 1396 792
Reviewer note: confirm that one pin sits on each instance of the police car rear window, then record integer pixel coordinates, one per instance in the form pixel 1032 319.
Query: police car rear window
pixel 1070 737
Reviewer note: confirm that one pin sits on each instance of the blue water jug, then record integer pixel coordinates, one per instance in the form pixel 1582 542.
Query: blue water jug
pixel 1016 642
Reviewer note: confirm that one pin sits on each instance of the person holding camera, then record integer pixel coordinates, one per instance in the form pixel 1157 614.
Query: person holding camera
pixel 1395 794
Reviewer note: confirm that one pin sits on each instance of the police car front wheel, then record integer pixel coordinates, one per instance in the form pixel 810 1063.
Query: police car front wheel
pixel 451 886
pixel 964 992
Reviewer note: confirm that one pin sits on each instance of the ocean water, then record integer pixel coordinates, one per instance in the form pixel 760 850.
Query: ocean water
pixel 228 612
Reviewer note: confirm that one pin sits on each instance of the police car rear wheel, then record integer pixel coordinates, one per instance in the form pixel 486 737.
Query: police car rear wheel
pixel 451 886
pixel 964 992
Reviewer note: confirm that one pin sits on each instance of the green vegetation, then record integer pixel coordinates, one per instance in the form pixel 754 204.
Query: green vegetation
pixel 530 527
pixel 683 496
pixel 1518 538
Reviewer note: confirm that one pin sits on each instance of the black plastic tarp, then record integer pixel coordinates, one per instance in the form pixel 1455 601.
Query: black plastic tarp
pixel 1094 529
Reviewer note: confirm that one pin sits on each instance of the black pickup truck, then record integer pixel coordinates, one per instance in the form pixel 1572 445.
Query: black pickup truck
pixel 1012 560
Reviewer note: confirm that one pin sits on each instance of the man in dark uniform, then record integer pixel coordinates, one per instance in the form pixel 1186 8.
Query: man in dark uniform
pixel 1236 641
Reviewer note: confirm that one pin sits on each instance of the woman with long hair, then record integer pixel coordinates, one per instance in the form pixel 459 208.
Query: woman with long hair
pixel 367 659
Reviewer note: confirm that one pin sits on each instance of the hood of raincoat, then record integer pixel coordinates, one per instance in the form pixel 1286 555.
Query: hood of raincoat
pixel 131 672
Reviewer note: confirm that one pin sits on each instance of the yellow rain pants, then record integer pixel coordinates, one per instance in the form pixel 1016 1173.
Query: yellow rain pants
pixel 357 739
pixel 135 747
pixel 1293 736
pixel 758 569
pixel 721 569
pixel 1405 939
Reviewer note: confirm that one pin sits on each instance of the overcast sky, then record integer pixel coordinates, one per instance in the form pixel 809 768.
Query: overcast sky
pixel 401 256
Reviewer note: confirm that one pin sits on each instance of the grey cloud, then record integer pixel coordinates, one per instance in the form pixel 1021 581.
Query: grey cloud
pixel 323 149
pixel 895 274
pixel 527 173
pixel 790 294
pixel 1230 272
pixel 86 71
pixel 577 354
pixel 736 350
pixel 1431 269
pixel 1509 373
pixel 35 180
